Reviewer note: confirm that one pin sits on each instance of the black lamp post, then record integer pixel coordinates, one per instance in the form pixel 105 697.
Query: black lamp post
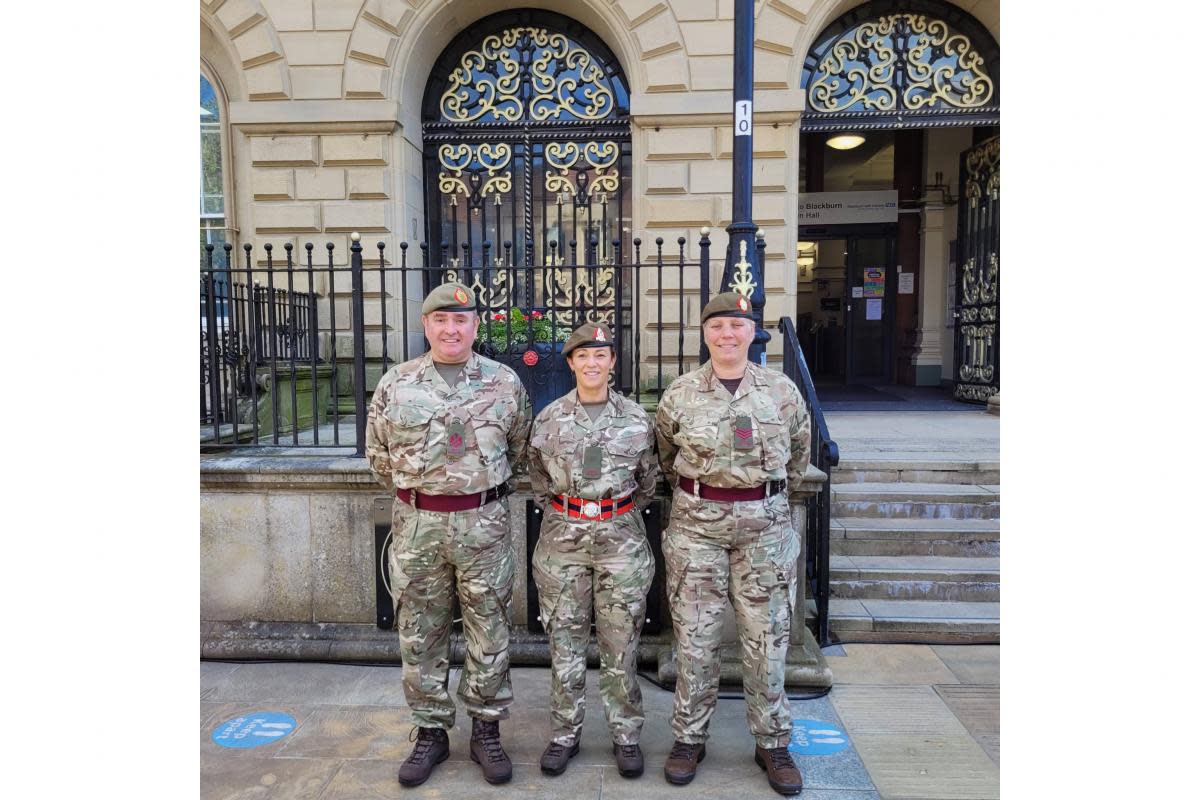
pixel 743 272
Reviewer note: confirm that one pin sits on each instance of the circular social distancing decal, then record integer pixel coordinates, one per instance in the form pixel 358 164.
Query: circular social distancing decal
pixel 254 730
pixel 812 737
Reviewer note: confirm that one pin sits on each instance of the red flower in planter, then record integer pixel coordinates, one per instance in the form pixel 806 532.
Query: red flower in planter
pixel 537 315
pixel 498 316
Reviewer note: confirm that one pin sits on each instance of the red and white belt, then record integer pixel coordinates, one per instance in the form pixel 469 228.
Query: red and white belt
pixel 579 508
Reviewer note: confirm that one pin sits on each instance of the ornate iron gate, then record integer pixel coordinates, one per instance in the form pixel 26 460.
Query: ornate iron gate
pixel 977 313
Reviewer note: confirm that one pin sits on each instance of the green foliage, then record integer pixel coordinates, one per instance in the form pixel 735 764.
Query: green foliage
pixel 504 331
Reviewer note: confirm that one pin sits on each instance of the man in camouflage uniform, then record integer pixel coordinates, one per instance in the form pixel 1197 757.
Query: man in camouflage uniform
pixel 444 431
pixel 733 437
pixel 592 467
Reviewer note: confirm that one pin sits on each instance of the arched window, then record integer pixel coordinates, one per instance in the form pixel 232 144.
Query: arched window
pixel 902 63
pixel 526 127
pixel 213 228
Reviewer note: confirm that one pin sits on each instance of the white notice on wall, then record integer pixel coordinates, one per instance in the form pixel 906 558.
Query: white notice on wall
pixel 906 283
pixel 741 120
pixel 875 308
pixel 856 291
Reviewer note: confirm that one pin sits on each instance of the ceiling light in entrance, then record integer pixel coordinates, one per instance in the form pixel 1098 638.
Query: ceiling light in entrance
pixel 845 141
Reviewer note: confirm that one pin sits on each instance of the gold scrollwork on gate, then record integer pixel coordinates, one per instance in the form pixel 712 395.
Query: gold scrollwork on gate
pixel 977 359
pixel 490 158
pixel 591 290
pixel 981 286
pixel 983 172
pixel 598 155
pixel 940 67
pixel 565 79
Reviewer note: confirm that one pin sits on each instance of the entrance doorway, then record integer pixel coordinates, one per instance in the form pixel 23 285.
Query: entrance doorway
pixel 846 329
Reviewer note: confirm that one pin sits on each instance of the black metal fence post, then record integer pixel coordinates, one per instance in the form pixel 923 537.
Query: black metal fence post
pixel 360 346
pixel 705 244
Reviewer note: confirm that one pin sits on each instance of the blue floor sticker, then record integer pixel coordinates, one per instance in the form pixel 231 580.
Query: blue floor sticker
pixel 254 730
pixel 811 737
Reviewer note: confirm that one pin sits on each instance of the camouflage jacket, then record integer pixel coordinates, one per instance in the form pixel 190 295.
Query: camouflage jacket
pixel 696 422
pixel 624 434
pixel 411 427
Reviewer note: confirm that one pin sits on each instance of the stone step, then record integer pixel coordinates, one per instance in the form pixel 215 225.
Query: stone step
pixel 922 621
pixel 916 500
pixel 874 470
pixel 915 578
pixel 880 536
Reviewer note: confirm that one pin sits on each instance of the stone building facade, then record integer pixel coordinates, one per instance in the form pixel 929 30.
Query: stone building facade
pixel 320 106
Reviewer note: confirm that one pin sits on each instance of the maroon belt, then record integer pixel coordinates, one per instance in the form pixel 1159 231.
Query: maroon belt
pixel 579 508
pixel 707 492
pixel 451 502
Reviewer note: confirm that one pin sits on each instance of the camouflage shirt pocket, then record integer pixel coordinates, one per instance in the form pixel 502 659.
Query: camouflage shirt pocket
pixel 700 437
pixel 410 415
pixel 773 433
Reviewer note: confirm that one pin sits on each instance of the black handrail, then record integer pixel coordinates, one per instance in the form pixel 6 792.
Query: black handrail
pixel 825 458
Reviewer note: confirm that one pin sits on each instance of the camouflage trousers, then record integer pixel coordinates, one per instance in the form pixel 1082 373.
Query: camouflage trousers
pixel 428 552
pixel 576 563
pixel 745 551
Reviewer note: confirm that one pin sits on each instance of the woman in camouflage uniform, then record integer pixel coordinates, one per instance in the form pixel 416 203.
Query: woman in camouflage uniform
pixel 592 466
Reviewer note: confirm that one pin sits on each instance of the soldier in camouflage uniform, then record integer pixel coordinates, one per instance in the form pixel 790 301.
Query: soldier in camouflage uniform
pixel 733 438
pixel 592 467
pixel 444 431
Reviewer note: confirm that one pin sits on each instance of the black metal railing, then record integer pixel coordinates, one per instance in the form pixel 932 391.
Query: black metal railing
pixel 286 346
pixel 825 457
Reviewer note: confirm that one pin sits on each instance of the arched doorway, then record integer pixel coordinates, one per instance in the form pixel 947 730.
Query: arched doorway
pixel 896 93
pixel 528 187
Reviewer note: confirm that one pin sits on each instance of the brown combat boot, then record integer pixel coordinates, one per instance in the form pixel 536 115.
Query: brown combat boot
pixel 556 756
pixel 782 773
pixel 487 752
pixel 629 759
pixel 680 766
pixel 431 749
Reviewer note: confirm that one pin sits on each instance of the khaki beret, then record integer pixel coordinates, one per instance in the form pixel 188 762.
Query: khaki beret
pixel 727 304
pixel 449 297
pixel 591 335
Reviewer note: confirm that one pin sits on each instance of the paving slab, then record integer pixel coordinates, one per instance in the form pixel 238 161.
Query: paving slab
pixel 978 709
pixel 238 775
pixel 971 663
pixel 345 732
pixel 213 674
pixel 376 780
pixel 930 609
pixel 290 682
pixel 890 664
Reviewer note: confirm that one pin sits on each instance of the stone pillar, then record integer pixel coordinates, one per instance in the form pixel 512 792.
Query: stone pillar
pixel 927 361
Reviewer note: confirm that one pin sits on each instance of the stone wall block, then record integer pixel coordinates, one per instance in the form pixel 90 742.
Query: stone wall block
pixel 370 43
pixel 694 10
pixel 657 35
pixel 708 177
pixel 359 215
pixel 661 212
pixel 711 38
pixel 667 178
pixel 724 9
pixel 321 184
pixel 312 48
pixel 711 73
pixel 238 16
pixel 770 175
pixel 679 143
pixel 343 555
pixel 283 150
pixel 272 184
pixel 289 583
pixel 636 12
pixel 233 560
pixel 287 217
pixel 288 15
pixel 316 83
pixel 769 141
pixel 353 149
pixel 367 81
pixel 278 253
pixel 775 31
pixel 796 9
pixel 270 81
pixel 769 209
pixel 335 15
pixel 771 70
pixel 369 183
pixel 667 73
pixel 258 45
pixel 391 15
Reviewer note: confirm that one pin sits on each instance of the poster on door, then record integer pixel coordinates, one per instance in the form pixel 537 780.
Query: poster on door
pixel 873 282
